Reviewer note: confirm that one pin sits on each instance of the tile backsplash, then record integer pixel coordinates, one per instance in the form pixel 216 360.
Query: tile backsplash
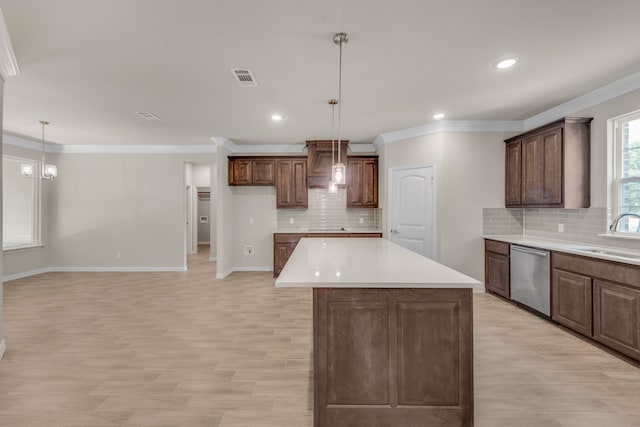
pixel 580 225
pixel 328 211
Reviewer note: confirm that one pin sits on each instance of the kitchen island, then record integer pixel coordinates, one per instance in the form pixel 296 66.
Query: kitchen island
pixel 392 331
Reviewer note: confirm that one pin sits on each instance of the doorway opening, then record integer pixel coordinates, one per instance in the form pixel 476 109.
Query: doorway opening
pixel 199 212
pixel 412 209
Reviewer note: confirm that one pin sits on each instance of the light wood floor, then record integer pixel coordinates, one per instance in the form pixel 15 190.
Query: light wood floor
pixel 184 349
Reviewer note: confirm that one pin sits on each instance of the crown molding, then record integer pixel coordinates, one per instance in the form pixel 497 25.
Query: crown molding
pixel 28 144
pixel 450 126
pixel 8 63
pixel 602 94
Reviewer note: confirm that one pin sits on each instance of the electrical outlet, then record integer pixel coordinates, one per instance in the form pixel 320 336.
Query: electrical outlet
pixel 291 221
pixel 249 250
pixel 560 228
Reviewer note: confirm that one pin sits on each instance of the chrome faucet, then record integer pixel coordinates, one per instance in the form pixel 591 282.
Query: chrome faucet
pixel 614 224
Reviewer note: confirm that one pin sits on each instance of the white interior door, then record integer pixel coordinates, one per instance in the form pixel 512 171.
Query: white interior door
pixel 189 218
pixel 412 209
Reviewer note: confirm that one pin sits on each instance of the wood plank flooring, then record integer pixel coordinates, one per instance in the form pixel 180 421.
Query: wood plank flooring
pixel 185 349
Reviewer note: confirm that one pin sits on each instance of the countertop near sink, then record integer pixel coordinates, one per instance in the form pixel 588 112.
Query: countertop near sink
pixel 331 231
pixel 576 248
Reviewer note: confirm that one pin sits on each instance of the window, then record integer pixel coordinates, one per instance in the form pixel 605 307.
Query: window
pixel 21 204
pixel 626 171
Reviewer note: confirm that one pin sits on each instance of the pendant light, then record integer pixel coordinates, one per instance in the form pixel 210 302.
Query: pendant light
pixel 338 170
pixel 333 186
pixel 49 172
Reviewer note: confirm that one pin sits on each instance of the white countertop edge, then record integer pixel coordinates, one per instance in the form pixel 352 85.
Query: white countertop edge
pixel 477 288
pixel 568 247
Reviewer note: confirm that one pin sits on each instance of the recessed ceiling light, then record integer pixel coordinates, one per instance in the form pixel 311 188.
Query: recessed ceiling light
pixel 276 117
pixel 507 63
pixel 438 116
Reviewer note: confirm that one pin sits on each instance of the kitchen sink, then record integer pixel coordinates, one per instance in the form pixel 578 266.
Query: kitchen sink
pixel 608 252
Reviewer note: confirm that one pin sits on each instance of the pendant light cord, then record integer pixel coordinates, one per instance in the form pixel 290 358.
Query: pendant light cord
pixel 340 98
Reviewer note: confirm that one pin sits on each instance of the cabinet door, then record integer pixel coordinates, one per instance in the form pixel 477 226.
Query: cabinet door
pixel 240 171
pixel 616 317
pixel 532 170
pixel 263 172
pixel 572 301
pixel 513 176
pixel 542 168
pixel 362 182
pixel 551 186
pixel 497 273
pixel 291 183
pixel 355 175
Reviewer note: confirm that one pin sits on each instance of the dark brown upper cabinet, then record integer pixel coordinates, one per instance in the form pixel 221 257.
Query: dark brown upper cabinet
pixel 252 170
pixel 291 182
pixel 362 181
pixel 550 166
pixel 319 161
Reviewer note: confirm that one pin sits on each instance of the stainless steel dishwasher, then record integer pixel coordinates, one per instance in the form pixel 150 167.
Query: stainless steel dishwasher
pixel 530 278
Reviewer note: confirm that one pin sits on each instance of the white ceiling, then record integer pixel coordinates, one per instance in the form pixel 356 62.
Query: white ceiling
pixel 88 65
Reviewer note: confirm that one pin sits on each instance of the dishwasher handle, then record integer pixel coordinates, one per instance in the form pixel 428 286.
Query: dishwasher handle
pixel 531 251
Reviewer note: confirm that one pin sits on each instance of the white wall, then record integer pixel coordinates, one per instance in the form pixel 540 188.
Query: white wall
pixel 470 176
pixel 131 204
pixel 224 216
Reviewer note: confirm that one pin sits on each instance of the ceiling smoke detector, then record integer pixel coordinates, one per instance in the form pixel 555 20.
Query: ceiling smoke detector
pixel 244 77
pixel 147 115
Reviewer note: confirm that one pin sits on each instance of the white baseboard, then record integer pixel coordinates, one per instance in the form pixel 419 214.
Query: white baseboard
pixel 114 269
pixel 25 274
pixel 204 243
pixel 241 270
pixel 213 258
pixel 267 268
pixel 3 348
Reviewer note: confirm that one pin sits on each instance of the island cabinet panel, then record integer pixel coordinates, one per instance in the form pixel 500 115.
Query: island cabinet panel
pixel 355 375
pixel 496 260
pixel 291 183
pixel 572 301
pixel 617 317
pixel 393 357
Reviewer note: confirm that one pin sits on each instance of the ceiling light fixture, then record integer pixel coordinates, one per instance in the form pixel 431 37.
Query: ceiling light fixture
pixel 333 186
pixel 47 172
pixel 438 116
pixel 276 117
pixel 338 170
pixel 507 63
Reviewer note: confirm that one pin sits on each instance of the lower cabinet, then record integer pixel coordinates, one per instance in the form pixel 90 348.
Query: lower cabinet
pixel 616 317
pixel 599 299
pixel 571 298
pixel 285 243
pixel 496 262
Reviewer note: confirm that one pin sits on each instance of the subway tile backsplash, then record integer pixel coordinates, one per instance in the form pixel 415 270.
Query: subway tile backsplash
pixel 580 225
pixel 328 211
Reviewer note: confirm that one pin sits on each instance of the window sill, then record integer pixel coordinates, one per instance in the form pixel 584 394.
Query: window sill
pixel 21 248
pixel 628 236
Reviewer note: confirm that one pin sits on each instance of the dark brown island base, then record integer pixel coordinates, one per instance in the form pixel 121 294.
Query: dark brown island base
pixel 392 331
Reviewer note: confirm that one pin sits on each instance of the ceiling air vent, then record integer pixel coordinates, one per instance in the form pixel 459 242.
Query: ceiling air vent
pixel 244 77
pixel 147 115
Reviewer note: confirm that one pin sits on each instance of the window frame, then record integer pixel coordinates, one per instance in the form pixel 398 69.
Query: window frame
pixel 616 169
pixel 36 226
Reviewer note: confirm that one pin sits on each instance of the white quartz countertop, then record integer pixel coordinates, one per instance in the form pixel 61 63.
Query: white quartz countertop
pixel 366 263
pixel 327 231
pixel 585 249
